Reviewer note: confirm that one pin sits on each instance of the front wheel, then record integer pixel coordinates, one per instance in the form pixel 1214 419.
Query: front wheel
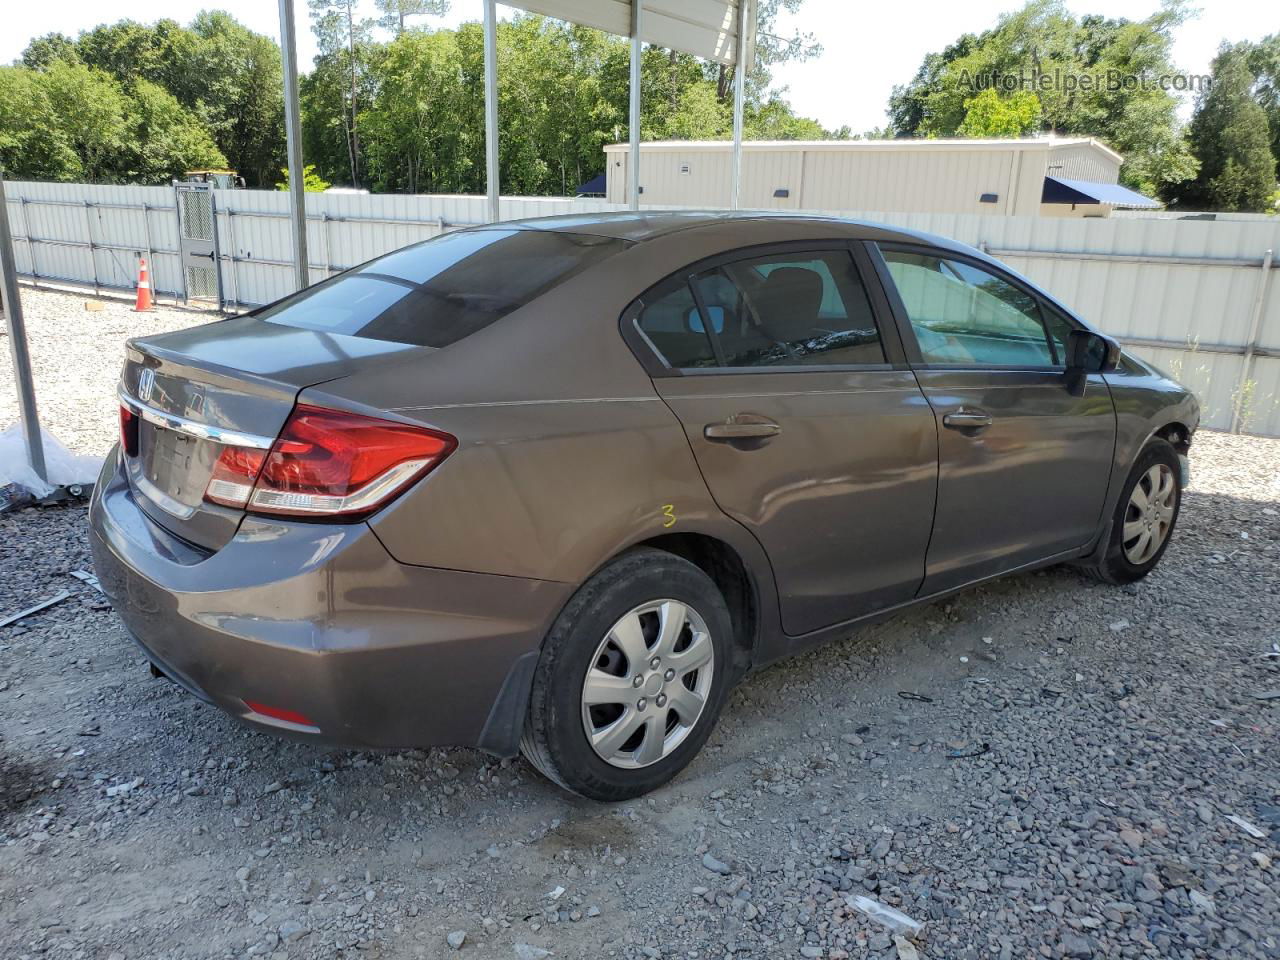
pixel 1145 516
pixel 631 679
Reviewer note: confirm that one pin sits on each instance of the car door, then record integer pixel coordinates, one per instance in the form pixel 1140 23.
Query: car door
pixel 786 370
pixel 1023 464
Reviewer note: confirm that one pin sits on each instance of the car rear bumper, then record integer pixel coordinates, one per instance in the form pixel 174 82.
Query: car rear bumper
pixel 318 620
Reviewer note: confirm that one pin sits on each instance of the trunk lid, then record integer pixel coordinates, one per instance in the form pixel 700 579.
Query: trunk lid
pixel 231 382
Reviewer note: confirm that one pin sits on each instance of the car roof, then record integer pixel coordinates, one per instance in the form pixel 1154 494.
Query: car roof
pixel 644 225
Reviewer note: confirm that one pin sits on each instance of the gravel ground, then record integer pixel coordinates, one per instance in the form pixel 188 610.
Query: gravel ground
pixel 1058 782
pixel 76 356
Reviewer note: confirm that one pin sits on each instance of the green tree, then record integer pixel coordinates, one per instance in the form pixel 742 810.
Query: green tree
pixel 311 181
pixel 225 77
pixel 162 53
pixel 394 12
pixel 990 115
pixel 1029 51
pixel 1231 139
pixel 42 52
pixel 772 49
pixel 421 134
pixel 237 87
pixel 345 38
pixel 700 115
pixel 89 115
pixel 32 146
pixel 166 138
pixel 1264 61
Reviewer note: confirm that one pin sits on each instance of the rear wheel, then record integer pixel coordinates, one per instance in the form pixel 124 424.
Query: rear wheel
pixel 631 679
pixel 1145 516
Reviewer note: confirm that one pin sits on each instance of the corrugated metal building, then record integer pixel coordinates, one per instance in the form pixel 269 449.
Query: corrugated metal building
pixel 1011 177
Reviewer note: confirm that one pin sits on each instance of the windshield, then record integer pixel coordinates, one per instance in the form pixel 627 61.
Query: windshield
pixel 436 293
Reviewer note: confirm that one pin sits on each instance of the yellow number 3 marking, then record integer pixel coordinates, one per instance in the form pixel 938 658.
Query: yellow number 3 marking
pixel 668 514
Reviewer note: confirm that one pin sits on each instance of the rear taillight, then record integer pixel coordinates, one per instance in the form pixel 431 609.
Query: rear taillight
pixel 128 431
pixel 327 463
pixel 234 473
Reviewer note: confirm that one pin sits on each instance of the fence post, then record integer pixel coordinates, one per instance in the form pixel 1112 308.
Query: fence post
pixel 12 303
pixel 1251 344
pixel 93 256
pixel 146 232
pixel 324 235
pixel 182 266
pixel 231 239
pixel 31 245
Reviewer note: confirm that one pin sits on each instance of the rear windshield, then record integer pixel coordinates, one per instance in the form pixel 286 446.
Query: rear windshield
pixel 435 293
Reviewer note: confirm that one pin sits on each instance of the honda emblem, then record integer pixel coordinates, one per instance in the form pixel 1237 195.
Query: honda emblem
pixel 146 383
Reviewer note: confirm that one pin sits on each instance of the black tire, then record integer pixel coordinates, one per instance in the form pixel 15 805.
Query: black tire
pixel 1114 566
pixel 555 740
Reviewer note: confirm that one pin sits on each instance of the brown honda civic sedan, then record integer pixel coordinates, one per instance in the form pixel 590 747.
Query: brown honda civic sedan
pixel 555 486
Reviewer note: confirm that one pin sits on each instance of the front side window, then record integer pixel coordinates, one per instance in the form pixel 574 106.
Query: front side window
pixel 964 315
pixel 436 293
pixel 1059 328
pixel 783 310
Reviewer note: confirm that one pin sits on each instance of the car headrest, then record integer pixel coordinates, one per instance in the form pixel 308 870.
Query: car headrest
pixel 788 302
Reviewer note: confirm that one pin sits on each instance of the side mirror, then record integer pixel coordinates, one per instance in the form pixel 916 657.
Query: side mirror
pixel 1088 352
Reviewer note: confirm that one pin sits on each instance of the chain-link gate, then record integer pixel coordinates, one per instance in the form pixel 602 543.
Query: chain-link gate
pixel 198 242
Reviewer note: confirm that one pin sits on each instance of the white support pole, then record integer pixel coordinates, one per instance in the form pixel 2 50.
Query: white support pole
pixel 491 108
pixel 12 303
pixel 293 146
pixel 633 162
pixel 739 81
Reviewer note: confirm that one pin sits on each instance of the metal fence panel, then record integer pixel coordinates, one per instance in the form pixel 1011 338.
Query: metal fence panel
pixel 55 222
pixel 1182 293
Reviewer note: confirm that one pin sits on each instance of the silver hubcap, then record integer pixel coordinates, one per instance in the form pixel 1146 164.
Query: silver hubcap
pixel 647 684
pixel 1150 514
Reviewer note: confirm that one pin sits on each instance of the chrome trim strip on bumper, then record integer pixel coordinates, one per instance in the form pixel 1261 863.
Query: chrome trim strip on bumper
pixel 203 431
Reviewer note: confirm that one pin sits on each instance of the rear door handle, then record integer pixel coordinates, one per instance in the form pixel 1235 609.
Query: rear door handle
pixel 743 426
pixel 967 420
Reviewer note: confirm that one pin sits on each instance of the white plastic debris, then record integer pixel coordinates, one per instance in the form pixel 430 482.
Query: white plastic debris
pixel 86 577
pixel 895 920
pixel 42 605
pixel 1247 827
pixel 63 467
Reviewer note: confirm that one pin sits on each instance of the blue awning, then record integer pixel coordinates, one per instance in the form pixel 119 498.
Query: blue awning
pixel 1061 190
pixel 596 187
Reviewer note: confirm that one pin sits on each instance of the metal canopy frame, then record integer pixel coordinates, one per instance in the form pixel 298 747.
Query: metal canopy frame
pixel 718 30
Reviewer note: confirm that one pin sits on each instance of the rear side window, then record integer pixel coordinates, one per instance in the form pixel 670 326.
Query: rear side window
pixel 803 309
pixel 784 310
pixel 670 321
pixel 436 293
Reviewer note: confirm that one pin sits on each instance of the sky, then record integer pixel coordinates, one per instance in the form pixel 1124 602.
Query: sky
pixel 868 46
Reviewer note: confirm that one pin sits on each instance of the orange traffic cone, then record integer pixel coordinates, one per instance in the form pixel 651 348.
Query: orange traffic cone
pixel 144 288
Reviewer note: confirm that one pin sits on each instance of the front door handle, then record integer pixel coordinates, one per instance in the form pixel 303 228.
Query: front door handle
pixel 743 426
pixel 967 420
